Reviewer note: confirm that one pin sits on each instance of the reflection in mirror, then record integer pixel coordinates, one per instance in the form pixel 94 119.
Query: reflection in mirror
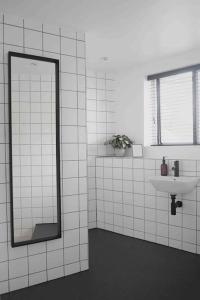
pixel 34 149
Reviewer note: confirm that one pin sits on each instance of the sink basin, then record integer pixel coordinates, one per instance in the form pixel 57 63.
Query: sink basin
pixel 174 185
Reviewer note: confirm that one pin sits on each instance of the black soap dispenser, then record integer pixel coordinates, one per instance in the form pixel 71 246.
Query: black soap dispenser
pixel 164 168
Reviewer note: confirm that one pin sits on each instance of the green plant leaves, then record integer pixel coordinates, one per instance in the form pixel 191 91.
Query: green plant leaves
pixel 120 142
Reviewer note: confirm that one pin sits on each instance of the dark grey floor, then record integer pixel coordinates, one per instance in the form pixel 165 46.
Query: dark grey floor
pixel 123 268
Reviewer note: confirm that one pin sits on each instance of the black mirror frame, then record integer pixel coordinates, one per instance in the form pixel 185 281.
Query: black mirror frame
pixel 56 62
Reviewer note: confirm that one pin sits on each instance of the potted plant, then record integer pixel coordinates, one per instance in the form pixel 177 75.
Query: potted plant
pixel 120 143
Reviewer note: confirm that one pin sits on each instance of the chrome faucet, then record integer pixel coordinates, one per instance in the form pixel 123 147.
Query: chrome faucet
pixel 175 168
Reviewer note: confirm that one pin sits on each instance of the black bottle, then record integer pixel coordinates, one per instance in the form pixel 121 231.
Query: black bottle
pixel 164 168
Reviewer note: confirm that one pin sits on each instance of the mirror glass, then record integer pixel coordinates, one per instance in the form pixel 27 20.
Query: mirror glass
pixel 34 149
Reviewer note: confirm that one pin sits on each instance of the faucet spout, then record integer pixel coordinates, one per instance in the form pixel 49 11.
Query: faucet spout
pixel 175 168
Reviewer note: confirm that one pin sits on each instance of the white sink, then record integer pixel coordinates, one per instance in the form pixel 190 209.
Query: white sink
pixel 174 185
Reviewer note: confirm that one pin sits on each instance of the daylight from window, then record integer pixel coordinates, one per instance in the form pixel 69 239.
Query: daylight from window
pixel 172 108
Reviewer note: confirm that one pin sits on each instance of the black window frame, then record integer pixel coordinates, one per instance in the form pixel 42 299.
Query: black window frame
pixel 194 69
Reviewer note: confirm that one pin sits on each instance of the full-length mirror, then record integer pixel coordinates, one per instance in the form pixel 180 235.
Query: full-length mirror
pixel 34 148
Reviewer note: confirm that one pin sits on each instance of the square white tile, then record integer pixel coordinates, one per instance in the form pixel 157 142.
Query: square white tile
pixel 55 258
pixel 37 263
pixel 18 267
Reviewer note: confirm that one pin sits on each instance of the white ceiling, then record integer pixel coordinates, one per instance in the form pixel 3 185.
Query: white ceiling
pixel 128 32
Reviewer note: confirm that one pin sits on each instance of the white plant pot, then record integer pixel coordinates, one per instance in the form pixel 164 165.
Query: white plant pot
pixel 119 152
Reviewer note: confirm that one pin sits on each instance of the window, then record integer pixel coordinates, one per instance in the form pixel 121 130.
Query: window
pixel 173 107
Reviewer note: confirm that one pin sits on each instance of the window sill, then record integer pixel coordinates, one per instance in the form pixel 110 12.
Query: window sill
pixel 173 151
pixel 166 145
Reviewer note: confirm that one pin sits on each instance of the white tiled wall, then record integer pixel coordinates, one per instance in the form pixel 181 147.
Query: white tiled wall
pixel 128 204
pixel 28 265
pixel 100 125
